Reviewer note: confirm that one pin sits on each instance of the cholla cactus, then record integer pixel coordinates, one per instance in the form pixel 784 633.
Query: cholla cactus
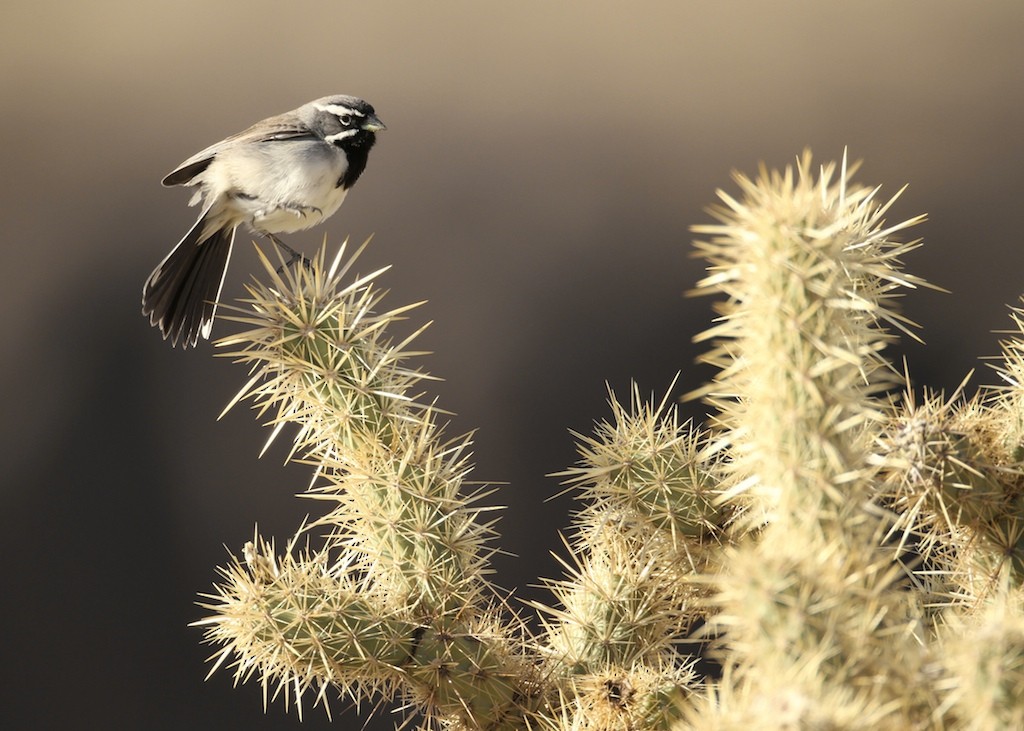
pixel 836 557
pixel 814 633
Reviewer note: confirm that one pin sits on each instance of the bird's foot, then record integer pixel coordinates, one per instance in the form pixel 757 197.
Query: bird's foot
pixel 296 209
pixel 301 211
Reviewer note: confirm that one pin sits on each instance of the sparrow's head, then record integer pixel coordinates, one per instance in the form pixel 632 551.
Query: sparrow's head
pixel 345 121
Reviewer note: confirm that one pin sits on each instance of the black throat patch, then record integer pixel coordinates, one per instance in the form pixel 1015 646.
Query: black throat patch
pixel 357 150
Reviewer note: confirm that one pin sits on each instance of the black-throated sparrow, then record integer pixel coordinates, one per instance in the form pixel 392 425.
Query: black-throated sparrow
pixel 283 174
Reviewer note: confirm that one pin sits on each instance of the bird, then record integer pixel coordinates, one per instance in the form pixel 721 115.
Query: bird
pixel 283 174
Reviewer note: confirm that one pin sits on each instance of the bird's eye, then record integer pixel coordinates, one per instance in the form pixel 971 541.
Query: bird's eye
pixel 345 119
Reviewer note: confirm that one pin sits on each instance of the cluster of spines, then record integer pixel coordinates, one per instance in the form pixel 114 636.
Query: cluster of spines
pixel 953 475
pixel 396 601
pixel 805 614
pixel 649 527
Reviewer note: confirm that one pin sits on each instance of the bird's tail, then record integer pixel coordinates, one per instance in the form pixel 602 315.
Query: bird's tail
pixel 180 296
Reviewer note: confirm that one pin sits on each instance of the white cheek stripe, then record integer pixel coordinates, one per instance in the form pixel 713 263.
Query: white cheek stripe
pixel 339 110
pixel 340 135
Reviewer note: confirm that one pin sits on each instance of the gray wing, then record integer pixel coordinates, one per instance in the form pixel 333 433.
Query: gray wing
pixel 282 127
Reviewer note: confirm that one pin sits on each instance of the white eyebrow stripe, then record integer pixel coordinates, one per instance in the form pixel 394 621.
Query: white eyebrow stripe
pixel 340 135
pixel 339 110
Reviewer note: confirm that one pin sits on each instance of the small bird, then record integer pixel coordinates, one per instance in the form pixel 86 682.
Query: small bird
pixel 283 174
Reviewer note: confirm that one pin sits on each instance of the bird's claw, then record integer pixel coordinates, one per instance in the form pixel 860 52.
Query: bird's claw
pixel 301 211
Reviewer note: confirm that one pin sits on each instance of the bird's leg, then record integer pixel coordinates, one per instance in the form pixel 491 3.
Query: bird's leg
pixel 284 247
pixel 293 255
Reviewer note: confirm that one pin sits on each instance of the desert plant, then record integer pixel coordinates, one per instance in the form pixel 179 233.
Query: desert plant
pixel 838 555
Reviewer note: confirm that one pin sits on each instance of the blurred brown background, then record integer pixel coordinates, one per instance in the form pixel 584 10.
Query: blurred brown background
pixel 542 166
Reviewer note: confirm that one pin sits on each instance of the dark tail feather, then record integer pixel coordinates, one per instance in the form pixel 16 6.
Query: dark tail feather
pixel 180 296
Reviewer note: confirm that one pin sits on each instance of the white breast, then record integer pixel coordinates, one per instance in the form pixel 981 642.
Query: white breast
pixel 280 186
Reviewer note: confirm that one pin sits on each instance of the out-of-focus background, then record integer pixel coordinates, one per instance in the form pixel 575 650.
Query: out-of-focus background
pixel 542 165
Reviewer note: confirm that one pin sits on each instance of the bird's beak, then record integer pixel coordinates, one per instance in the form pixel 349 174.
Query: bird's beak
pixel 373 124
